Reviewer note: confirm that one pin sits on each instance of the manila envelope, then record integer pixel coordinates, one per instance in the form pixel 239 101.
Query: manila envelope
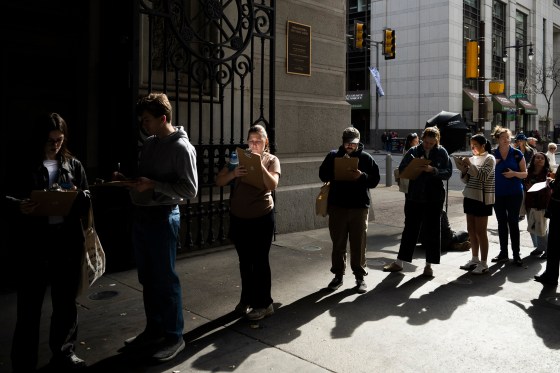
pixel 412 171
pixel 252 162
pixel 53 203
pixel 343 167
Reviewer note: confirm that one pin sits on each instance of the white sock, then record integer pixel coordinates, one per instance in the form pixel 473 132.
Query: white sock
pixel 483 262
pixel 399 262
pixel 475 259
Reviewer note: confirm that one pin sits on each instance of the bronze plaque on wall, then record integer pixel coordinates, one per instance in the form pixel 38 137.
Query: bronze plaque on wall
pixel 298 49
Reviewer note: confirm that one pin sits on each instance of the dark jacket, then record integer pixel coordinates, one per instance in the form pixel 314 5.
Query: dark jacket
pixel 350 194
pixel 71 173
pixel 537 200
pixel 428 187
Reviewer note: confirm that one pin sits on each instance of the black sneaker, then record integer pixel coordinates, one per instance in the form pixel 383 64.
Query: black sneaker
pixel 518 262
pixel 500 259
pixel 169 350
pixel 335 283
pixel 536 252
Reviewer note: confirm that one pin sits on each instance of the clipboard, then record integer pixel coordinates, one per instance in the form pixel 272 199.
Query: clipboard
pixel 53 203
pixel 459 162
pixel 343 168
pixel 537 186
pixel 252 162
pixel 412 171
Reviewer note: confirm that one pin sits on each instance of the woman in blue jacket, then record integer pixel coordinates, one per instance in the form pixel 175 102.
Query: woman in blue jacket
pixel 511 169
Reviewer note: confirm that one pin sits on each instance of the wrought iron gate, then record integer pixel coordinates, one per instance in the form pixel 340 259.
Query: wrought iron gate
pixel 215 60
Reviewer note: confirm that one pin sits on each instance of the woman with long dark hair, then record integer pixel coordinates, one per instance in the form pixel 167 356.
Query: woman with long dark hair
pixel 536 202
pixel 53 249
pixel 478 173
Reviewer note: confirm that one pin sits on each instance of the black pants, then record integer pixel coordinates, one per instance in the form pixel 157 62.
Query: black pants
pixel 252 239
pixel 55 261
pixel 418 216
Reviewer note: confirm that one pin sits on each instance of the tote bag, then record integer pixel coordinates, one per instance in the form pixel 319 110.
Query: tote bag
pixel 321 202
pixel 93 261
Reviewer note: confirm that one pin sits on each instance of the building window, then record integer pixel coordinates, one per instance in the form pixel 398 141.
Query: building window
pixel 557 2
pixel 521 53
pixel 498 39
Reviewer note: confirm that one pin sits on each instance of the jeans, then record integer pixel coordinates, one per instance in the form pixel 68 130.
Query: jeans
pixel 155 233
pixel 351 225
pixel 507 214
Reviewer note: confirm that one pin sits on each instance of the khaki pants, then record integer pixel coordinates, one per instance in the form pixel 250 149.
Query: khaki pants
pixel 348 225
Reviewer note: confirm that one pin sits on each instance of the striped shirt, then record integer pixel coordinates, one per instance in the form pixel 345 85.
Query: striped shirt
pixel 480 178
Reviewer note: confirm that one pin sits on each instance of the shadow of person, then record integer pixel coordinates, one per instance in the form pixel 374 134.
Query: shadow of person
pixel 545 315
pixel 282 327
pixel 389 299
pixel 139 359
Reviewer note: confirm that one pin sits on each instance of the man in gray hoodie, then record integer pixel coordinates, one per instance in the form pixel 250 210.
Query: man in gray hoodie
pixel 167 177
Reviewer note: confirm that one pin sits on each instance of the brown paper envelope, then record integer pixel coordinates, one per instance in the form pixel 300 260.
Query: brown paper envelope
pixel 53 203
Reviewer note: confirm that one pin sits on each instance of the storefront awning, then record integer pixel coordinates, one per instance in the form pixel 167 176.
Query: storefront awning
pixel 470 102
pixel 502 103
pixel 527 107
pixel 471 97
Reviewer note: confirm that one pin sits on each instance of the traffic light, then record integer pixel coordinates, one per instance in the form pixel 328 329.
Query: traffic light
pixel 359 34
pixel 389 43
pixel 473 60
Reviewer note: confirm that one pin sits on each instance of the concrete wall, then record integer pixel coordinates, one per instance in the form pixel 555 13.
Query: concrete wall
pixel 311 111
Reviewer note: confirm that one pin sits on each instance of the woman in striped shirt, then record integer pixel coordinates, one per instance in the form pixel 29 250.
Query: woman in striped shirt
pixel 477 172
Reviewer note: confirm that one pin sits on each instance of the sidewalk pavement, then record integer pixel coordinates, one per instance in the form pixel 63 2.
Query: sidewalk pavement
pixel 502 321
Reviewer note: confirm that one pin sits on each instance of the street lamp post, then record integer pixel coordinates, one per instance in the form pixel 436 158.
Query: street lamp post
pixel 530 55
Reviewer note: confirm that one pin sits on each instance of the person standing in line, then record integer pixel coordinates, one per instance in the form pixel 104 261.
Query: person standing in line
pixel 551 272
pixel 478 173
pixel 411 141
pixel 424 202
pixel 349 202
pixel 521 143
pixel 511 169
pixel 551 155
pixel 167 177
pixel 532 141
pixel 252 225
pixel 52 249
pixel 536 202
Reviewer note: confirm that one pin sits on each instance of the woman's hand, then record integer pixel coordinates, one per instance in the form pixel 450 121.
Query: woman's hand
pixel 27 206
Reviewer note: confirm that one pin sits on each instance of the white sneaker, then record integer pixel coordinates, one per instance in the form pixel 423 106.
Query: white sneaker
pixel 471 264
pixel 480 269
